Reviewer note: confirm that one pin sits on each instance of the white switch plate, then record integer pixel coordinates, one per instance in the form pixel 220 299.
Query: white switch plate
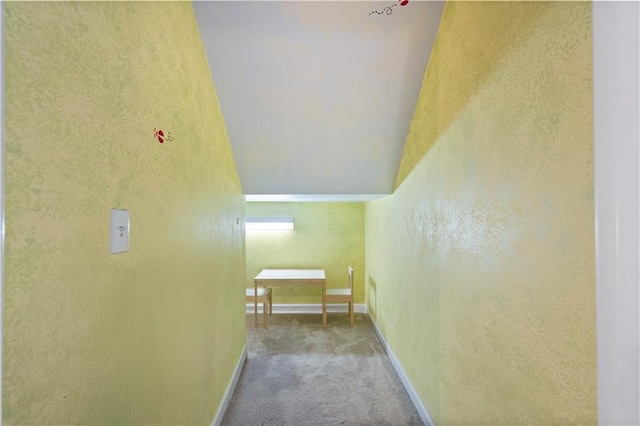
pixel 119 231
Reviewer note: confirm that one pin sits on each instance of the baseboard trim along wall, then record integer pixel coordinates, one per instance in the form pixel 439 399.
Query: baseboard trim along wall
pixel 217 420
pixel 310 308
pixel 422 410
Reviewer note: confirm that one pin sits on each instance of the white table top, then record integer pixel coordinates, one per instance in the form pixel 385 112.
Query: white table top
pixel 291 274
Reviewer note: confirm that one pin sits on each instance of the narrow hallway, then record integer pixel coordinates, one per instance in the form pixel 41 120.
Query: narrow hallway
pixel 296 373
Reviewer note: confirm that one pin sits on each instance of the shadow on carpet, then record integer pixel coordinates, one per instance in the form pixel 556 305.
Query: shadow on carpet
pixel 296 373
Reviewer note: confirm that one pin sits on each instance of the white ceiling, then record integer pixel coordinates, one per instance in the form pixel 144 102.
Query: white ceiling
pixel 317 97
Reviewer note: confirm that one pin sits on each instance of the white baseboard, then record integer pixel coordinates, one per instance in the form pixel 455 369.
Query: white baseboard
pixel 309 308
pixel 217 420
pixel 422 410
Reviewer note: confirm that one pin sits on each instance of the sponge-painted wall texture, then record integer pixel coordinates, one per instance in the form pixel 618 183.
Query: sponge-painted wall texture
pixel 480 266
pixel 327 236
pixel 151 336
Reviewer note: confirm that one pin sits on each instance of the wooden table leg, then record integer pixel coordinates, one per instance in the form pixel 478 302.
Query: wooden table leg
pixel 255 304
pixel 264 315
pixel 324 305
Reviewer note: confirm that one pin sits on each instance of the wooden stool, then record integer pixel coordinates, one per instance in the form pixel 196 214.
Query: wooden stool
pixel 264 297
pixel 340 295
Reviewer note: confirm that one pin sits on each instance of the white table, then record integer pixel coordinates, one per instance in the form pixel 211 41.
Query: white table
pixel 291 278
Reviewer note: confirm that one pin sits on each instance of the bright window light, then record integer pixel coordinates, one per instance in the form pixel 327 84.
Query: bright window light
pixel 269 223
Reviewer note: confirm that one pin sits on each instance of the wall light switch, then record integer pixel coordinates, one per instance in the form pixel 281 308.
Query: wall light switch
pixel 119 231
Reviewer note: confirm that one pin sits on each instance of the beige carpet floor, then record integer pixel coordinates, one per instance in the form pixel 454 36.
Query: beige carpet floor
pixel 296 373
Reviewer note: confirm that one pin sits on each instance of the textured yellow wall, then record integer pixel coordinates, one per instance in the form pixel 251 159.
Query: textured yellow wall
pixel 146 337
pixel 480 266
pixel 327 236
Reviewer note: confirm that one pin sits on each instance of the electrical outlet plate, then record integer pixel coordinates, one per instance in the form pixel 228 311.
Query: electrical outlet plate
pixel 119 231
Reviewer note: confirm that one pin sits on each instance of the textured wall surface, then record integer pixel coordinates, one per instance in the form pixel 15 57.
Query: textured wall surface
pixel 480 267
pixel 327 236
pixel 151 336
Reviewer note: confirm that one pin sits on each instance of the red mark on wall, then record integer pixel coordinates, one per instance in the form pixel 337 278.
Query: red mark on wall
pixel 159 134
pixel 161 137
pixel 388 10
